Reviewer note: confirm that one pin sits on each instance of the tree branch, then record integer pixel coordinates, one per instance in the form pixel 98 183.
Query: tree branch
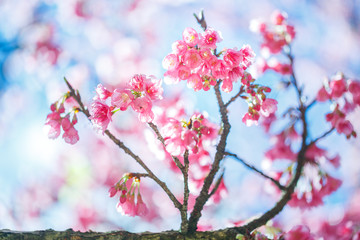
pixel 281 187
pixel 241 91
pixel 161 139
pixel 219 155
pixel 121 145
pixel 217 184
pixel 322 136
pixel 185 222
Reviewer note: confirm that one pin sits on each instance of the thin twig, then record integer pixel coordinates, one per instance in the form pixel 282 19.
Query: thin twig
pixel 217 184
pixel 161 139
pixel 121 145
pixel 277 183
pixel 312 103
pixel 241 91
pixel 322 136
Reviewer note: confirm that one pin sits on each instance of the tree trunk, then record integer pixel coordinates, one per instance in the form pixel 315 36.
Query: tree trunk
pixel 118 235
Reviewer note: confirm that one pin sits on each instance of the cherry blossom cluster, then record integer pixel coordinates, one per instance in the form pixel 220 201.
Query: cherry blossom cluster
pixel 277 37
pixel 315 184
pixel 276 34
pixel 258 103
pixel 197 134
pixel 127 186
pixel 344 94
pixel 58 118
pixel 187 135
pixel 194 59
pixel 140 92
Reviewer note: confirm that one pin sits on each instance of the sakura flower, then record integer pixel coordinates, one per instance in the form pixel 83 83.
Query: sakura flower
pixel 143 106
pixel 179 47
pixel 53 124
pixel 192 59
pixel 232 57
pixel 100 115
pixel 268 106
pixel 121 98
pixel 71 135
pixel 140 208
pixel 127 208
pixel 209 38
pixel 170 62
pixel 152 88
pixel 190 37
pixel 102 93
pixel 322 95
pixel 195 82
pixel 337 86
pixel 250 119
pixel 300 232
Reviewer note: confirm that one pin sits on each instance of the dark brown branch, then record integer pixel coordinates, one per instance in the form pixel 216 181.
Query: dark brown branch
pixel 139 175
pixel 223 234
pixel 241 91
pixel 121 145
pixel 201 20
pixel 312 103
pixel 217 184
pixel 262 220
pixel 281 187
pixel 185 222
pixel 322 136
pixel 219 155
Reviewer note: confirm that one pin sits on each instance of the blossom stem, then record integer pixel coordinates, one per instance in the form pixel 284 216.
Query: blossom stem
pixel 279 185
pixel 161 139
pixel 219 155
pixel 120 144
pixel 241 91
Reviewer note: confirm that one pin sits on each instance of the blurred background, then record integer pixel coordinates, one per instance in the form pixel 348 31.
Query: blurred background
pixel 50 184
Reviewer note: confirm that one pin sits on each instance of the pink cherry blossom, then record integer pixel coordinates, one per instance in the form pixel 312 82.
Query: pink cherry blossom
pixel 268 106
pixel 192 58
pixel 278 17
pixel 190 37
pixel 337 86
pixel 209 38
pixel 354 89
pixel 140 208
pixel 179 47
pixel 195 82
pixel 170 62
pixel 152 88
pixel 247 56
pixel 300 232
pixel 136 83
pixel 102 93
pixel 250 119
pixel 53 124
pixel 100 115
pixel 127 208
pixel 322 95
pixel 121 98
pixel 227 85
pixel 219 70
pixel 71 135
pixel 143 106
pixel 232 57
